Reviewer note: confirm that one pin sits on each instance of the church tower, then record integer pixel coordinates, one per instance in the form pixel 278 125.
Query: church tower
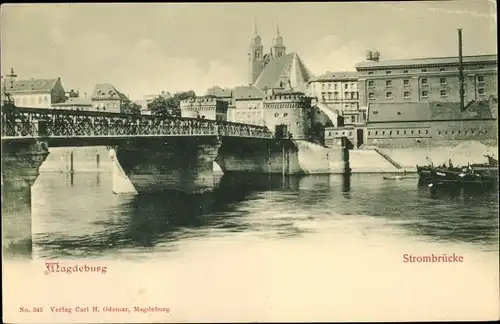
pixel 255 56
pixel 278 49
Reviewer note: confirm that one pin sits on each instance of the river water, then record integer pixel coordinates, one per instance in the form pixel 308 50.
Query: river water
pixel 302 248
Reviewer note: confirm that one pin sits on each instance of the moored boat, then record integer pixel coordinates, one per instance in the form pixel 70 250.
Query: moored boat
pixel 484 175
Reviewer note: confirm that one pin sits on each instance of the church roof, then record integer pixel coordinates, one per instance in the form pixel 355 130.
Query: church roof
pixel 289 66
pixel 33 85
pixel 107 91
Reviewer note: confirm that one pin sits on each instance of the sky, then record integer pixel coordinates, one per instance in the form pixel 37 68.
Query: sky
pixel 149 47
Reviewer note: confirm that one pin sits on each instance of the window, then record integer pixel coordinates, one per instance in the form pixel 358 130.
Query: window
pixel 419 131
pixel 388 83
pixel 353 119
pixel 371 95
pixel 397 133
pixel 346 94
pixel 370 72
pixel 335 86
pixel 411 132
pixel 407 94
pixel 427 131
pixel 480 78
pixel 329 86
pixel 390 132
pixel 388 94
pixel 285 114
pixel 387 72
pixel 480 91
pixel 369 132
pixel 439 132
pixel 404 132
pixel 350 133
pixel 452 132
pixel 480 67
pixel 424 70
pixel 371 84
pixel 443 93
pixel 442 69
pixel 257 54
pixel 425 94
pixel 346 86
pixel 424 81
pixel 376 132
pixel 383 132
pixel 406 82
pixel 472 132
pixel 442 80
pixel 276 115
pixel 405 71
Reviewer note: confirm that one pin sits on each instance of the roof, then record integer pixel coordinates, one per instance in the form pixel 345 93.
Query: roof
pixel 33 85
pixel 75 102
pixel 452 60
pixel 289 66
pixel 219 92
pixel 337 76
pixel 391 112
pixel 107 91
pixel 247 92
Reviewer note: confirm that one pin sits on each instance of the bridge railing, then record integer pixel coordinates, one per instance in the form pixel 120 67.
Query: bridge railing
pixel 39 122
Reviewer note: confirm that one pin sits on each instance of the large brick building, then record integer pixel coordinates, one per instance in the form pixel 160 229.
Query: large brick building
pixel 422 80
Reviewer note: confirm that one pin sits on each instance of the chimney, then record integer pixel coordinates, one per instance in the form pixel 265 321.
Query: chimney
pixel 461 71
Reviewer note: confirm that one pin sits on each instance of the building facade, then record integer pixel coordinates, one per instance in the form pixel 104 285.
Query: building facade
pixel 36 93
pixel 207 107
pixel 339 91
pixel 106 98
pixel 247 106
pixel 425 80
pixel 432 124
pixel 289 108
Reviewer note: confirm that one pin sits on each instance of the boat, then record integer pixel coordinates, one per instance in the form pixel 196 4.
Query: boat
pixel 394 177
pixel 485 174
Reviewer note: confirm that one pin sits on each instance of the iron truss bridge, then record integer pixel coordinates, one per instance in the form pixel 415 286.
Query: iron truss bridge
pixel 20 122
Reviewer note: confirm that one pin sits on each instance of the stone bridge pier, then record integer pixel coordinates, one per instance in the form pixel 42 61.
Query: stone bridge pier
pixel 168 163
pixel 21 160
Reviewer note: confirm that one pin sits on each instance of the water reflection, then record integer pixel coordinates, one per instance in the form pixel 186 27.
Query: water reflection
pixel 81 217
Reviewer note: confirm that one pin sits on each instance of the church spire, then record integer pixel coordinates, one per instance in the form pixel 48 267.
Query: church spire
pixel 277 30
pixel 255 26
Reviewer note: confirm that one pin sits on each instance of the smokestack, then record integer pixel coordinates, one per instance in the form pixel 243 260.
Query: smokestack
pixel 461 70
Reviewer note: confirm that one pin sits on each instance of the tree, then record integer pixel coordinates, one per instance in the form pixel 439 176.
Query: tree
pixel 130 107
pixel 162 106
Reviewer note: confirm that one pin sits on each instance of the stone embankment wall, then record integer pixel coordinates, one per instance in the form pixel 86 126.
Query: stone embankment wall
pixel 460 153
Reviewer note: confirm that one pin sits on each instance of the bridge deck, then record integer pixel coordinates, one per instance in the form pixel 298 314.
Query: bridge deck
pixel 68 124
